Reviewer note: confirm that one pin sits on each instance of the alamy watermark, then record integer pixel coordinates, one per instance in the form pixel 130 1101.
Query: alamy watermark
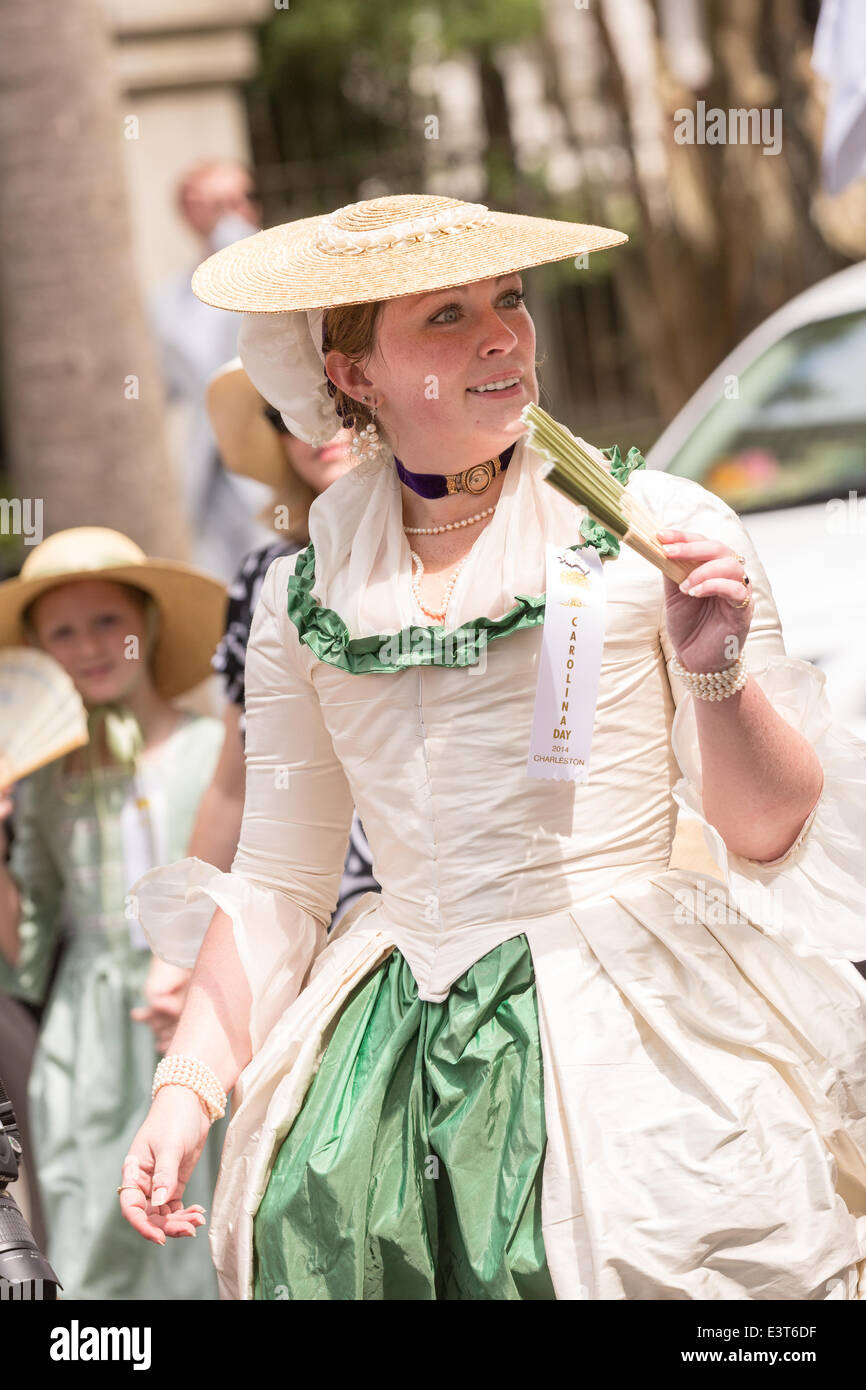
pixel 846 517
pixel 77 1343
pixel 22 516
pixel 737 126
pixel 710 903
pixel 422 646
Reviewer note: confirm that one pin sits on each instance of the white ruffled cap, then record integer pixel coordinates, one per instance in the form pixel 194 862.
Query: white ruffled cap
pixel 282 356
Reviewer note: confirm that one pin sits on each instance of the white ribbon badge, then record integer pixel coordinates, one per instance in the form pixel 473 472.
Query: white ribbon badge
pixel 569 665
pixel 142 817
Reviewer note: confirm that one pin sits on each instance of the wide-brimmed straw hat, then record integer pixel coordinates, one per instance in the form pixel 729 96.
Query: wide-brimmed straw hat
pixel 191 603
pixel 383 248
pixel 283 278
pixel 250 445
pixel 247 441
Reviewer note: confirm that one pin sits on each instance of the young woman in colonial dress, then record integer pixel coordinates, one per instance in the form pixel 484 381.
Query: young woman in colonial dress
pixel 541 1064
pixel 253 441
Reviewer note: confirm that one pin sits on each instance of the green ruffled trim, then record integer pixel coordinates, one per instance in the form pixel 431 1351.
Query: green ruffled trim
pixel 327 636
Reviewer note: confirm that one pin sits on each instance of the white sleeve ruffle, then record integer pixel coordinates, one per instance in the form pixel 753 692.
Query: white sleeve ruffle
pixel 814 895
pixel 275 939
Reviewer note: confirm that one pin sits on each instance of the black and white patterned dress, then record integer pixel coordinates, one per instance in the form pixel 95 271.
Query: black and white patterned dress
pixel 229 661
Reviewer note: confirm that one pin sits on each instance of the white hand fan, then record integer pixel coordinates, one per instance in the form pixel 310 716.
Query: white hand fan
pixel 42 715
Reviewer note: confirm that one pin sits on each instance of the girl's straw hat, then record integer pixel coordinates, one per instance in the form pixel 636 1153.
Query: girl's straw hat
pixel 384 248
pixel 191 604
pixel 247 441
pixel 249 444
pixel 283 278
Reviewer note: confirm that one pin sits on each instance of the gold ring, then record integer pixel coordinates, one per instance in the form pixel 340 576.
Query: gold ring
pixel 129 1187
pixel 745 580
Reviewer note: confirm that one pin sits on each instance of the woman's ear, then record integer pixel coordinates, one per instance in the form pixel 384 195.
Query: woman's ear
pixel 348 376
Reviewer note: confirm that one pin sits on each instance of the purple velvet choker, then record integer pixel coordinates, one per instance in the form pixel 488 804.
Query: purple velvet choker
pixel 474 480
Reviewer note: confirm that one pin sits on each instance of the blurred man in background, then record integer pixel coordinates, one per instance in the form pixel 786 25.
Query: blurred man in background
pixel 218 203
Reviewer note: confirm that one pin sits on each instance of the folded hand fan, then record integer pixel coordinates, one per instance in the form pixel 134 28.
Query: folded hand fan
pixel 581 473
pixel 42 715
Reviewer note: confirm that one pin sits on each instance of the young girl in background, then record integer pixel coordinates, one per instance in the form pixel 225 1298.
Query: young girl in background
pixel 133 633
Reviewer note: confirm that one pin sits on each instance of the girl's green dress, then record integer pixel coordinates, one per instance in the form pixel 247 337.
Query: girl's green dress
pixel 93 1069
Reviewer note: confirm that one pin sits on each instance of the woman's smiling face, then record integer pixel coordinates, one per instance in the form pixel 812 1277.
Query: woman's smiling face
pixel 434 355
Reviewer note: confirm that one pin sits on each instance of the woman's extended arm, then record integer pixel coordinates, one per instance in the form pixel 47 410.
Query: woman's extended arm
pixel 760 779
pixel 214 1028
pixel 273 908
pixel 215 1023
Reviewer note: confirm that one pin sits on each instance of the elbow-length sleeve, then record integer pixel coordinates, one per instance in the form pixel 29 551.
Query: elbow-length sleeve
pixel 814 894
pixel 40 885
pixel 285 877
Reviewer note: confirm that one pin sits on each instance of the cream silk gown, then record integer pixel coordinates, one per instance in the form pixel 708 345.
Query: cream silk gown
pixel 703 1039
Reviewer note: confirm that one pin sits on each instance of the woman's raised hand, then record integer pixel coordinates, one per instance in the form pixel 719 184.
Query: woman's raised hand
pixel 158 1165
pixel 705 623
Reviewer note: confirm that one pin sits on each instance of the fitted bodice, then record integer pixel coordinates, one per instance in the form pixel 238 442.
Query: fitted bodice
pixel 436 759
pixel 432 750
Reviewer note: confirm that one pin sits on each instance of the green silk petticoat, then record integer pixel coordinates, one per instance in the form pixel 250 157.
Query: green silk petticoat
pixel 413 1169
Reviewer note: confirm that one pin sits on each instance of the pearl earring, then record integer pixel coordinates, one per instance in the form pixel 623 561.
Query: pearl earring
pixel 366 443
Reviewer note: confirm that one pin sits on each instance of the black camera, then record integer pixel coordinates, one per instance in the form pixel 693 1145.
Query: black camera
pixel 24 1271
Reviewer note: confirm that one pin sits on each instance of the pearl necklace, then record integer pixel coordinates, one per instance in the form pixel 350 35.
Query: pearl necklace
pixel 416 587
pixel 450 526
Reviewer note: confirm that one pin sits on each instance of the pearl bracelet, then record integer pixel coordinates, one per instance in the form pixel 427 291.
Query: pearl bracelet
pixel 713 685
pixel 188 1071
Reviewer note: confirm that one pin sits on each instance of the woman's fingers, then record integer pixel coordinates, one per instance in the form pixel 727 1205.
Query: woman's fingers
pixel 158 1225
pixel 689 545
pixel 731 590
pixel 154 1219
pixel 716 572
pixel 165 1182
pixel 674 535
pixel 158 1165
pixel 184 1221
pixel 717 579
pixel 134 1196
pixel 133 1205
pixel 724 567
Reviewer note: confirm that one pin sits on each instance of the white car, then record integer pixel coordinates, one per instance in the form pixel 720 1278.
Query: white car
pixel 779 431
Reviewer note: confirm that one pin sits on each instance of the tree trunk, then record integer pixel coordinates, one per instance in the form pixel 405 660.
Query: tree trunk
pixel 725 233
pixel 83 405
